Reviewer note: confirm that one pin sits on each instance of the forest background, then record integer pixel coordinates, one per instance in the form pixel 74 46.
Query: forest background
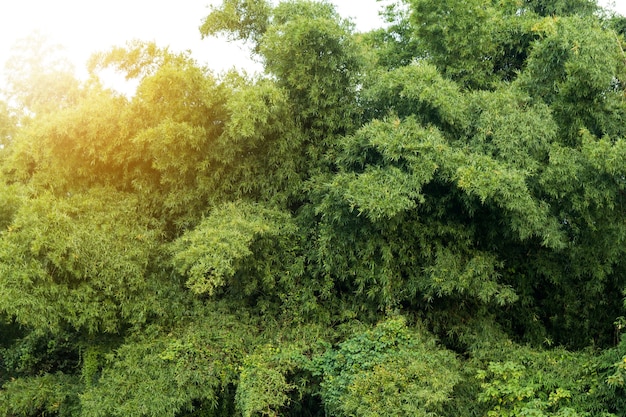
pixel 421 220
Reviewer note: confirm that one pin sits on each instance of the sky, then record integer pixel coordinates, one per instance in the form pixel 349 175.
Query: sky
pixel 84 27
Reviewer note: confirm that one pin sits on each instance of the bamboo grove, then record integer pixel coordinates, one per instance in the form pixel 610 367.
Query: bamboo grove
pixel 428 219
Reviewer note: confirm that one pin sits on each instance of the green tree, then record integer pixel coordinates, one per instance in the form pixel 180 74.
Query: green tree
pixel 8 126
pixel 79 260
pixel 427 219
pixel 311 52
pixel 390 370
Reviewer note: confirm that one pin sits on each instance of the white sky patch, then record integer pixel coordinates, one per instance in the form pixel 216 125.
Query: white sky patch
pixel 84 27
pixel 617 5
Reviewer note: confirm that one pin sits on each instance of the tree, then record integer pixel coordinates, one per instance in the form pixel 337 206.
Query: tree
pixel 422 220
pixel 39 79
pixel 390 370
pixel 7 125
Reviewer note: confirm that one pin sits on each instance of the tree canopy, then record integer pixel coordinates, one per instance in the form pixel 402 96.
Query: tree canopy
pixel 427 219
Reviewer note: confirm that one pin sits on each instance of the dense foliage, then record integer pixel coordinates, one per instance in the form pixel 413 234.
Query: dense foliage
pixel 424 220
